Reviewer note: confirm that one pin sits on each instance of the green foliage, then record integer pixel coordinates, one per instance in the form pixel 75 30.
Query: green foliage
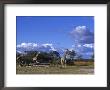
pixel 25 60
pixel 31 54
pixel 44 57
pixel 53 57
pixel 72 54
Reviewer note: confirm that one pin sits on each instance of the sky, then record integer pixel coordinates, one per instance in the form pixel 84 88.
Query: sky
pixel 57 31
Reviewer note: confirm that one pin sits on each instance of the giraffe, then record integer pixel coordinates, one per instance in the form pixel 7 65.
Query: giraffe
pixel 19 60
pixel 63 60
pixel 36 58
pixel 18 57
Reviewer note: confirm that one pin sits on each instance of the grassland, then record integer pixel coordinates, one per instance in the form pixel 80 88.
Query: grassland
pixel 78 68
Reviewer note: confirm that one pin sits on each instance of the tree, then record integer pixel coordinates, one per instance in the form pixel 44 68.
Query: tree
pixel 72 54
pixel 44 57
pixel 92 56
pixel 55 57
pixel 26 59
pixel 31 53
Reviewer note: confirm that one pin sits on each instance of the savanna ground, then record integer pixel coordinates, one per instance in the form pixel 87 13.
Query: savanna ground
pixel 79 67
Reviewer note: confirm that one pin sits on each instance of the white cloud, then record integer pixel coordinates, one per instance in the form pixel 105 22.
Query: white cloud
pixel 47 44
pixel 80 28
pixel 79 45
pixel 89 45
pixel 35 46
pixel 86 50
pixel 81 34
pixel 27 45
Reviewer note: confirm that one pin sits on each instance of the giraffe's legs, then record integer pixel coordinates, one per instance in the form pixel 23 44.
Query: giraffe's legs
pixel 65 63
pixel 61 62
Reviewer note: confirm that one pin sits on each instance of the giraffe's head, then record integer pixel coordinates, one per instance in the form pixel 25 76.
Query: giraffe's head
pixel 38 52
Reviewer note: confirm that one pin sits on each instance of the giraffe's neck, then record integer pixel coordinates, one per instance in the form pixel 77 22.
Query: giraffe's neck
pixel 37 55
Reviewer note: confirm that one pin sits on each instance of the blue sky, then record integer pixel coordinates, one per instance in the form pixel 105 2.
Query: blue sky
pixel 60 31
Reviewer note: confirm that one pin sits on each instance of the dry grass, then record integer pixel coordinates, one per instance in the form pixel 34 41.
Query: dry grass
pixel 79 68
pixel 83 63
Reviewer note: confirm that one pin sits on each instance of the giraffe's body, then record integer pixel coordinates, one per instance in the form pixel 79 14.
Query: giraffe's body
pixel 64 58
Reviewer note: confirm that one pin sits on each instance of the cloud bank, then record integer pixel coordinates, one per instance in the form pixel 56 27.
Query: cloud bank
pixel 34 46
pixel 83 41
pixel 81 34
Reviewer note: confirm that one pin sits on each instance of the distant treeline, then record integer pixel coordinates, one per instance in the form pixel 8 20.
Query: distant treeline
pixel 44 57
